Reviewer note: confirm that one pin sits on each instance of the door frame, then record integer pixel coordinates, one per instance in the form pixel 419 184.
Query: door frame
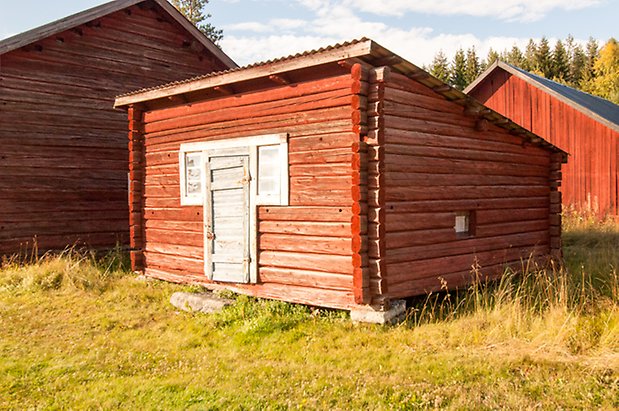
pixel 251 143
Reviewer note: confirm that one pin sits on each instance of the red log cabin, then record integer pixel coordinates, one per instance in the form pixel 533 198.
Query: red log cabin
pixel 64 158
pixel 343 177
pixel 585 126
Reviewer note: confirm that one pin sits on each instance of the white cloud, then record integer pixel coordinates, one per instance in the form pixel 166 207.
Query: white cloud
pixel 333 21
pixel 509 10
pixel 288 24
pixel 249 26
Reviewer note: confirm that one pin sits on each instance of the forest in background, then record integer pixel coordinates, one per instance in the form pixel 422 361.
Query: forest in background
pixel 591 68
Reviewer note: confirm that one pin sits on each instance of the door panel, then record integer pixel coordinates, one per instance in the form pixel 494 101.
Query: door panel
pixel 226 212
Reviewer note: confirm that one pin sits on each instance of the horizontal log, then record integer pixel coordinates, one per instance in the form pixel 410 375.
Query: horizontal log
pixel 333 99
pixel 287 292
pixel 175 236
pixel 309 214
pixel 306 261
pixel 308 90
pixel 470 204
pixel 326 229
pixel 465 192
pixel 464 246
pixel 189 251
pixel 436 267
pixel 404 152
pixel 306 278
pixel 304 243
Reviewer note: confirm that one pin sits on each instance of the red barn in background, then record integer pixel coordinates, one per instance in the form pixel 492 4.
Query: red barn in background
pixel 585 126
pixel 64 156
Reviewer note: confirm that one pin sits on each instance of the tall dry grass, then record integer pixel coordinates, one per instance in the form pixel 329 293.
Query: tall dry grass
pixel 72 268
pixel 571 308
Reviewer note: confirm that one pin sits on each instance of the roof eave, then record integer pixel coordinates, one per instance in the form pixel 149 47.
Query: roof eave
pixel 74 20
pixel 356 50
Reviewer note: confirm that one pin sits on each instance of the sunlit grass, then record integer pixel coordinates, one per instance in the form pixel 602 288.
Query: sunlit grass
pixel 80 331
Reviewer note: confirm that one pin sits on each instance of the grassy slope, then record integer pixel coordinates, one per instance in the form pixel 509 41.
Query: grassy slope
pixel 75 334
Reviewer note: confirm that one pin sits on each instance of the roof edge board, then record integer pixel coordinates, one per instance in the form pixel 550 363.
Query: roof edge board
pixel 278 67
pixel 201 37
pixel 68 22
pixel 65 23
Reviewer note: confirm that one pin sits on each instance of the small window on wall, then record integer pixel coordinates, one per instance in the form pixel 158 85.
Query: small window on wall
pixel 191 178
pixel 465 224
pixel 272 175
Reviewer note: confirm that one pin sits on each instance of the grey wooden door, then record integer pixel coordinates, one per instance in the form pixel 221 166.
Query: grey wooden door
pixel 226 214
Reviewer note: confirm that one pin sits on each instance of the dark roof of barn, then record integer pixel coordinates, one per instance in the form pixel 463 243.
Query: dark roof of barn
pixel 67 23
pixel 598 108
pixel 364 50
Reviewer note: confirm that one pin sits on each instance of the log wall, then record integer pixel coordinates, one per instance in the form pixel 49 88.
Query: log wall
pixel 64 148
pixel 310 250
pixel 436 163
pixel 591 176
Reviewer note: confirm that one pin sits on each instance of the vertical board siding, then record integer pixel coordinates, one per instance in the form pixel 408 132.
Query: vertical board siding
pixel 64 148
pixel 437 164
pixel 590 175
pixel 305 252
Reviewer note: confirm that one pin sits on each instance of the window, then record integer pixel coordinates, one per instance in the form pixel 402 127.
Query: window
pixel 191 178
pixel 268 164
pixel 465 224
pixel 272 171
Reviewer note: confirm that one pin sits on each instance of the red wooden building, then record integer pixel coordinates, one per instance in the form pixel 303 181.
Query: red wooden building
pixel 341 177
pixel 64 157
pixel 585 126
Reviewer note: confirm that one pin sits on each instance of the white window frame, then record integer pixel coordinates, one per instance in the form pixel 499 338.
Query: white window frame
pixel 252 142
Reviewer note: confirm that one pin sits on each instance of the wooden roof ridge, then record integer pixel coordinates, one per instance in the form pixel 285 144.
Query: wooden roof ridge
pixel 551 87
pixel 362 50
pixel 74 20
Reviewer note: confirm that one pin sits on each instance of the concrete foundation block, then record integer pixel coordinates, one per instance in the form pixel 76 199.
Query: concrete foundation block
pixel 377 315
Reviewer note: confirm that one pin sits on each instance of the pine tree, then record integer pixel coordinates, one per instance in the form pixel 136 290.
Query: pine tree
pixel 193 10
pixel 458 68
pixel 591 55
pixel 577 65
pixel 530 52
pixel 492 57
pixel 560 63
pixel 473 67
pixel 543 59
pixel 440 67
pixel 515 57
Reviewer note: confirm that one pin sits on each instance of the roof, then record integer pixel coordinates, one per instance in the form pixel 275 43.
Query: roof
pixel 42 32
pixel 363 50
pixel 595 107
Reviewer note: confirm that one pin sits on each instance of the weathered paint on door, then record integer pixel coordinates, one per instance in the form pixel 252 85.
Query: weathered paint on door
pixel 226 214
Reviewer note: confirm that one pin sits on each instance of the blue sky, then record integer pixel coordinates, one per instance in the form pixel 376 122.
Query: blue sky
pixel 257 30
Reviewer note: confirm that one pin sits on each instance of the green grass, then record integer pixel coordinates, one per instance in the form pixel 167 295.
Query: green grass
pixel 80 332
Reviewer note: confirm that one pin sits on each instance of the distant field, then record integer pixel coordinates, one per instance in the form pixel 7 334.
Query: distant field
pixel 76 332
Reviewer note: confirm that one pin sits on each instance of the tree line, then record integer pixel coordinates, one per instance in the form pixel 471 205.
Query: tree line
pixel 589 68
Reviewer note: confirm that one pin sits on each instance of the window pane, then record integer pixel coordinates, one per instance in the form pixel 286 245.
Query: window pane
pixel 193 188
pixel 192 160
pixel 268 170
pixel 193 174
